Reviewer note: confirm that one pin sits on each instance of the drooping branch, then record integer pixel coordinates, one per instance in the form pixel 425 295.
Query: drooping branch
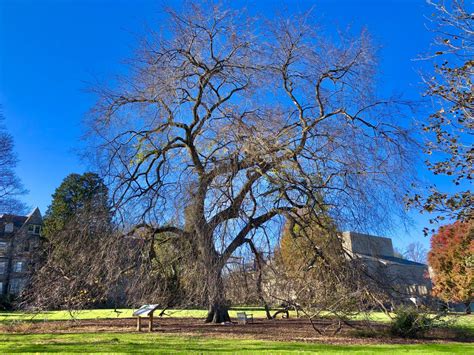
pixel 153 230
pixel 252 224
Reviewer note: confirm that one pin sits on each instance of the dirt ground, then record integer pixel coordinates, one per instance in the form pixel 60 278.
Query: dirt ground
pixel 279 329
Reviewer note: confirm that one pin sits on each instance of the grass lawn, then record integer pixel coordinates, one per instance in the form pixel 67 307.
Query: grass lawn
pixel 110 313
pixel 110 342
pixel 462 321
pixel 158 343
pixel 119 313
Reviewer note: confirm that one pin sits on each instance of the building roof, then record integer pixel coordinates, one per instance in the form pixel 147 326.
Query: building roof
pixel 18 221
pixel 34 216
pixel 390 259
pixel 374 247
pixel 400 260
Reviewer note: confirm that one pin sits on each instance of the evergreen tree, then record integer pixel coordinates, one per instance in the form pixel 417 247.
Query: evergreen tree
pixel 78 232
pixel 78 195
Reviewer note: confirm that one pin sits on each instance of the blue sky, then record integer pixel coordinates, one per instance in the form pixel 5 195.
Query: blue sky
pixel 51 50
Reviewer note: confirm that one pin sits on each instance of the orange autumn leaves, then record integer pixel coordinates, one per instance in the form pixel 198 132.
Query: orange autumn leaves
pixel 452 261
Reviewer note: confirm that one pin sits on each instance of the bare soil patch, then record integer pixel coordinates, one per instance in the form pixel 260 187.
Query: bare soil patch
pixel 356 332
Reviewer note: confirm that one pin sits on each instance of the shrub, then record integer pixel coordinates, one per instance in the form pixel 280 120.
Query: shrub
pixel 410 322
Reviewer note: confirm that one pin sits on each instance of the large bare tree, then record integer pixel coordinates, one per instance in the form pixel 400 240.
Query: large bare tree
pixel 10 185
pixel 225 124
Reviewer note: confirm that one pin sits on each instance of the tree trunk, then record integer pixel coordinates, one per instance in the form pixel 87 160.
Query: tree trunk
pixel 218 313
pixel 212 264
pixel 218 309
pixel 258 259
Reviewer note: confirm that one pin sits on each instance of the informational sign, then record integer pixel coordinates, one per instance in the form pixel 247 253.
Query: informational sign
pixel 145 310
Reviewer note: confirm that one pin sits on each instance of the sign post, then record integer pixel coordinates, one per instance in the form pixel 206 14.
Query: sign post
pixel 144 311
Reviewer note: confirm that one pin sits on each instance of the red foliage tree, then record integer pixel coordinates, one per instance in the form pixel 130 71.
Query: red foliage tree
pixel 452 261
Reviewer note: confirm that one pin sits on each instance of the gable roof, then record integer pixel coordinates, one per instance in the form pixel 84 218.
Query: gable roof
pixel 17 221
pixel 34 217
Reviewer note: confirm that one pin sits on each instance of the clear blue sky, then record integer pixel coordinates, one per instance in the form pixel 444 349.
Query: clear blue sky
pixel 51 49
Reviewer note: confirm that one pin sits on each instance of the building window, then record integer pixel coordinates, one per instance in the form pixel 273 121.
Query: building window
pixel 16 286
pixel 3 246
pixel 18 266
pixel 34 229
pixel 3 267
pixel 9 228
pixel 422 290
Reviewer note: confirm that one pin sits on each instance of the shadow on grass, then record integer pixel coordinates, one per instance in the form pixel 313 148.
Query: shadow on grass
pixel 150 343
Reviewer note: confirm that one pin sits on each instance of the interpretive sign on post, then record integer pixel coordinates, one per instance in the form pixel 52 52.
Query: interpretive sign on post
pixel 145 311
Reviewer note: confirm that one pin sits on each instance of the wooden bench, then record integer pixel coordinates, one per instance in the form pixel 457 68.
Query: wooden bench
pixel 244 318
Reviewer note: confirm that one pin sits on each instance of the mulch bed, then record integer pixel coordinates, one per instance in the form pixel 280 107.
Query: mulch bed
pixel 292 329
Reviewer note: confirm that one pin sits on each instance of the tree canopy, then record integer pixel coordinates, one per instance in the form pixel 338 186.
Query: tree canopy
pixel 449 130
pixel 77 195
pixel 226 123
pixel 452 260
pixel 75 268
pixel 304 247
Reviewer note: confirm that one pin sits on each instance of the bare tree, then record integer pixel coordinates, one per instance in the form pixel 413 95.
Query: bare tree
pixel 71 266
pixel 87 264
pixel 10 184
pixel 313 274
pixel 415 252
pixel 225 124
pixel 83 262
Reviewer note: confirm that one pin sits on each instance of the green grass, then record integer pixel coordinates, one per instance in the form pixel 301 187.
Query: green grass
pixel 119 313
pixel 461 321
pixel 65 315
pixel 126 313
pixel 158 343
pixel 110 313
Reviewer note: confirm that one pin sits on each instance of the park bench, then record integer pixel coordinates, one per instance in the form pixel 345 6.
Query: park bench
pixel 244 318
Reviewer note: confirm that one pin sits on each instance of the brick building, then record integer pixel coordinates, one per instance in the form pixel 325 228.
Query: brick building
pixel 19 239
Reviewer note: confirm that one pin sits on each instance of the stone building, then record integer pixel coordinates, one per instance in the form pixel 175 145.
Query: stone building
pixel 19 239
pixel 408 279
